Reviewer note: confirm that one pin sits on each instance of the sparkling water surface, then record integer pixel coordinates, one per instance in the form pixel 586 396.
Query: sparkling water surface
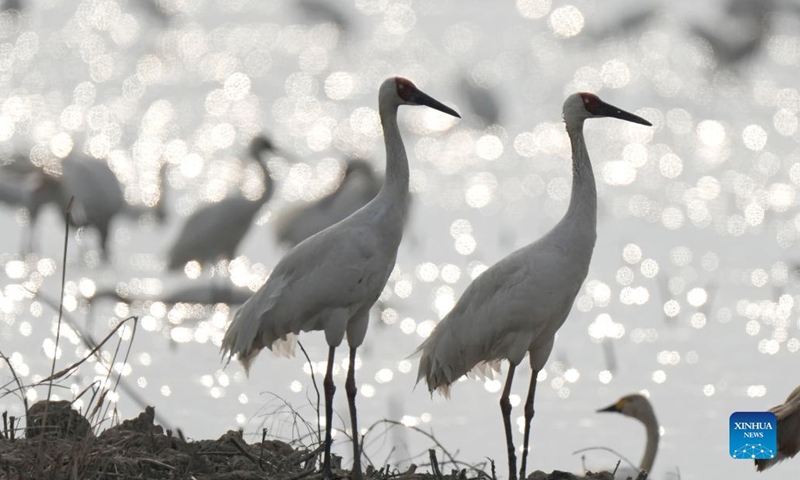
pixel 691 292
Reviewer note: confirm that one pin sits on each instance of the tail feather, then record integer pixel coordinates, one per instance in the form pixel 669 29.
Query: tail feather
pixel 762 465
pixel 284 346
pixel 256 326
pixel 441 364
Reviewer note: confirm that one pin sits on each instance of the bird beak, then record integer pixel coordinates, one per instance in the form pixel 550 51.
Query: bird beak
pixel 421 98
pixel 284 154
pixel 610 408
pixel 606 110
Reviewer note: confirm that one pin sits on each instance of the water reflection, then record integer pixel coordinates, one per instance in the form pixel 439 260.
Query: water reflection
pixel 694 259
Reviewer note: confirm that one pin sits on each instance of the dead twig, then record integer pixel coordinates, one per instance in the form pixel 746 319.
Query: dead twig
pixel 245 452
pixel 21 391
pixel 316 388
pixel 40 454
pixel 309 455
pixel 304 473
pixel 450 457
pixel 156 462
pixel 435 464
pixel 621 457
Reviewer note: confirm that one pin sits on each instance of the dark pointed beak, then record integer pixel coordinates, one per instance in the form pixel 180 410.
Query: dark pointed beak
pixel 280 152
pixel 421 98
pixel 610 408
pixel 607 110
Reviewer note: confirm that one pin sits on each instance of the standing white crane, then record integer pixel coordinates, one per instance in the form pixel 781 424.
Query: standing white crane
pixel 517 305
pixel 639 407
pixel 788 415
pixel 94 186
pixel 331 280
pixel 216 230
pixel 96 191
pixel 359 186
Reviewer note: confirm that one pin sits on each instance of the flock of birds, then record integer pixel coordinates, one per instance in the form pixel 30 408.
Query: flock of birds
pixel 344 248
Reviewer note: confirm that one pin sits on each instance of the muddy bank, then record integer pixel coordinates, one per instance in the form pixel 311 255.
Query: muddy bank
pixel 61 445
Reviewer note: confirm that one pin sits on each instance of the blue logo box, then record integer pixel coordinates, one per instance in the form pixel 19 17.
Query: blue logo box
pixel 753 435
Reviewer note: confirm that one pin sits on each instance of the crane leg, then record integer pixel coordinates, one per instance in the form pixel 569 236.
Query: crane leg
pixel 104 236
pixel 330 388
pixel 350 387
pixel 505 408
pixel 29 236
pixel 528 417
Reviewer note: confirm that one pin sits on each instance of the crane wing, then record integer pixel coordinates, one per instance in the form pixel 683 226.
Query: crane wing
pixel 789 425
pixel 510 309
pixel 325 278
pixel 788 415
pixel 95 188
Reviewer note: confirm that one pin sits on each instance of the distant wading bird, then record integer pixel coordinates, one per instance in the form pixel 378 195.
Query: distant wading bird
pixel 95 188
pixel 516 306
pixel 331 280
pixel 358 187
pixel 788 430
pixel 639 407
pixel 215 231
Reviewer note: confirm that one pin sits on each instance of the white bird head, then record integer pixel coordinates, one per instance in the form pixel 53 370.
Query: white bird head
pixel 635 405
pixel 580 106
pixel 398 91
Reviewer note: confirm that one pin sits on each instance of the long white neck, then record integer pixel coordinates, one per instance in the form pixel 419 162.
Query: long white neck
pixel 582 211
pixel 396 182
pixel 651 447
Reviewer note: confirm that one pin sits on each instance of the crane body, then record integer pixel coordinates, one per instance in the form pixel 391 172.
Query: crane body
pixel 330 280
pixel 517 305
pixel 215 230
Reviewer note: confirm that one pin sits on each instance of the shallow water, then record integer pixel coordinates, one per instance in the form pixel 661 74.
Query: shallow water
pixel 692 272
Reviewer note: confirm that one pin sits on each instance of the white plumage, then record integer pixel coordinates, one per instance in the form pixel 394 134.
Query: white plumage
pixel 330 280
pixel 517 305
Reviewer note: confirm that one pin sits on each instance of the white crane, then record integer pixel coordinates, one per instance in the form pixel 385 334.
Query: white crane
pixel 639 407
pixel 96 191
pixel 329 281
pixel 359 185
pixel 517 305
pixel 216 230
pixel 788 415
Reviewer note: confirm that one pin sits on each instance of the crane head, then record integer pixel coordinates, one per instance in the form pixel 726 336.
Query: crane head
pixel 580 106
pixel 403 92
pixel 261 143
